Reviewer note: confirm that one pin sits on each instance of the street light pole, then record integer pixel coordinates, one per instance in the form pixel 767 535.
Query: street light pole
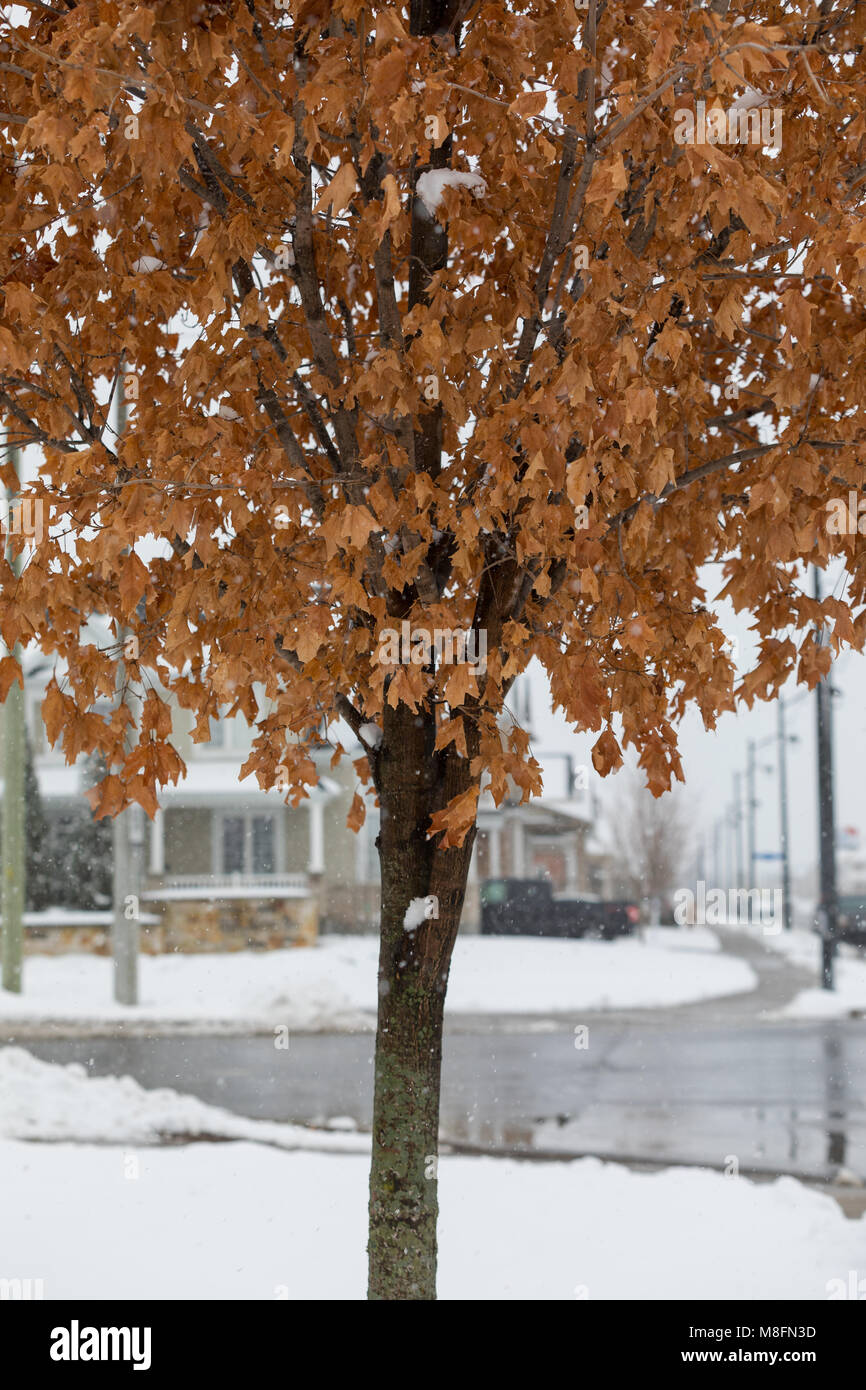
pixel 738 828
pixel 783 813
pixel 826 818
pixel 751 804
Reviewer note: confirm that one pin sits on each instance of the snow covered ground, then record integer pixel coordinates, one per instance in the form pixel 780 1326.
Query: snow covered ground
pixel 333 985
pixel 240 1221
pixel 804 948
pixel 246 1220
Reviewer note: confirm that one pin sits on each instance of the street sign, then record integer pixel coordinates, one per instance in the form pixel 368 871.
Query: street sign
pixel 771 854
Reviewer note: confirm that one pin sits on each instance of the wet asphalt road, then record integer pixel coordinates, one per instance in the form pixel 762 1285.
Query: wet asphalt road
pixel 786 1097
pixel 708 1084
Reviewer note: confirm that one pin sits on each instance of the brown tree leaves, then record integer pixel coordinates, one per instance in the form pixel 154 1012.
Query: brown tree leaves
pixel 607 361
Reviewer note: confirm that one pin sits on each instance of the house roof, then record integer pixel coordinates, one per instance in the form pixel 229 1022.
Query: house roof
pixel 217 780
pixel 205 782
pixel 57 782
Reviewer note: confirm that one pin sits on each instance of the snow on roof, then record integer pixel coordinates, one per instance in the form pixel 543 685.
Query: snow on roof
pixel 57 782
pixel 574 808
pixel 205 780
pixel 211 780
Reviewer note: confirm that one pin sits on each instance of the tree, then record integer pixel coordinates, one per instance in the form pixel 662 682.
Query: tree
pixel 38 871
pixel 651 840
pixel 82 847
pixel 68 852
pixel 438 315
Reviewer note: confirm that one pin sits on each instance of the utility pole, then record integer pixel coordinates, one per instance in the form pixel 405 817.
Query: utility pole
pixel 738 828
pixel 128 831
pixel 826 818
pixel 783 813
pixel 751 805
pixel 14 861
pixel 700 866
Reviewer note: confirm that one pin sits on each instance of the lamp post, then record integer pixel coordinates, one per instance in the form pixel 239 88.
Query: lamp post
pixel 826 817
pixel 738 830
pixel 783 740
pixel 752 806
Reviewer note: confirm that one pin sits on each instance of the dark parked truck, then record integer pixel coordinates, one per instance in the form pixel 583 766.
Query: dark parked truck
pixel 527 907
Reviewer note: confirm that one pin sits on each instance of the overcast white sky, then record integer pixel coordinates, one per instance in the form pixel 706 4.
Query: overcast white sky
pixel 711 759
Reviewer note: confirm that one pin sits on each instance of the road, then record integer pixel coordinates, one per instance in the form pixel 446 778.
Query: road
pixel 716 1084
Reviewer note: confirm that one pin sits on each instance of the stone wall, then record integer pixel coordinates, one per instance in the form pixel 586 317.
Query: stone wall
pixel 237 924
pixel 57 941
pixel 190 926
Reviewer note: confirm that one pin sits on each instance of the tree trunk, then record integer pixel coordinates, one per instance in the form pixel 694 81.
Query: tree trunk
pixel 413 976
pixel 412 781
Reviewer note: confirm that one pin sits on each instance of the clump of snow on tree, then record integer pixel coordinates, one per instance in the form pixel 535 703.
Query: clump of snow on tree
pixel 431 183
pixel 415 914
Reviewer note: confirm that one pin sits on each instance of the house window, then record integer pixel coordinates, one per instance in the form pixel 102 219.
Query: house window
pixel 228 734
pixel 187 831
pixel 247 844
pixel 263 844
pixel 233 837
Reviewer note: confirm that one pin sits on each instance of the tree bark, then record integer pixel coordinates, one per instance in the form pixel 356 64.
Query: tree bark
pixel 413 976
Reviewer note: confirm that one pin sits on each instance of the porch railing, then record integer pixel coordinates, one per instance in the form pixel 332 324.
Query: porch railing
pixel 237 885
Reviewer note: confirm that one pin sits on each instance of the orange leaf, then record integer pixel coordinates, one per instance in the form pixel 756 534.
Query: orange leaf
pixel 339 191
pixel 132 583
pixel 606 756
pixel 455 820
pixel 10 672
pixel 391 208
pixel 357 813
pixel 107 797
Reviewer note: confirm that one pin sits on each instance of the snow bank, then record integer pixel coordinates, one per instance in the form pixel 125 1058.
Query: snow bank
pixel 48 1101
